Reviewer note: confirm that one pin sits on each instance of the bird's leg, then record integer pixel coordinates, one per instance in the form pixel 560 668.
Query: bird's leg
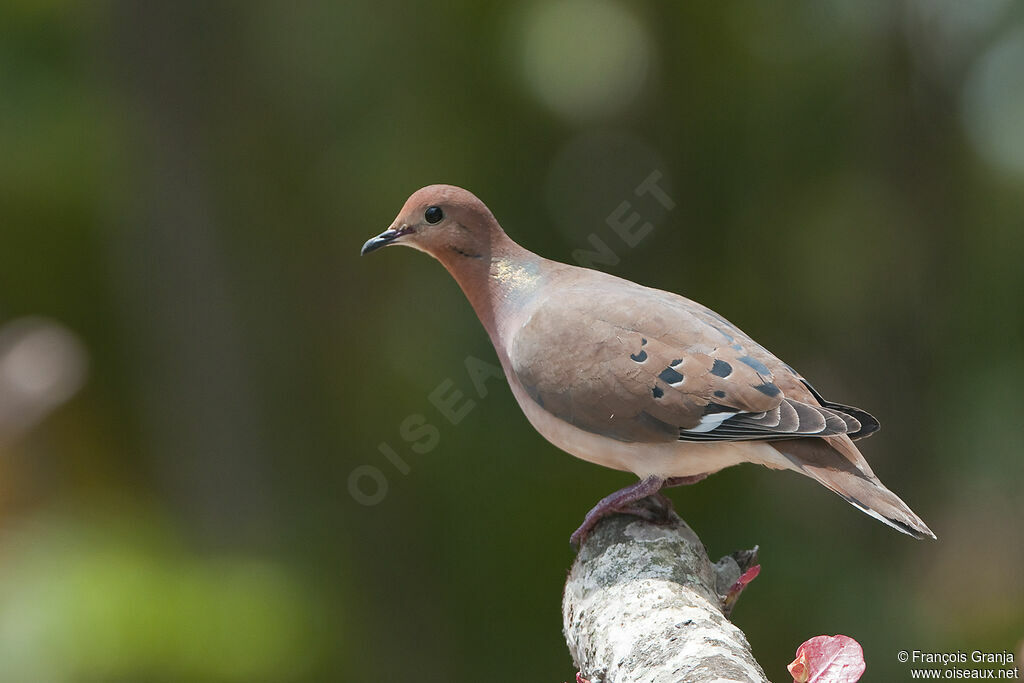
pixel 662 514
pixel 620 501
pixel 676 481
pixel 655 508
pixel 683 481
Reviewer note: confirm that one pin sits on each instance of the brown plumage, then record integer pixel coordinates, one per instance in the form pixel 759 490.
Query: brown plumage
pixel 635 378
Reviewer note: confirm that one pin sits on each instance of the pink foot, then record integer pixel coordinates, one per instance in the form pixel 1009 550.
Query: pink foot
pixel 620 501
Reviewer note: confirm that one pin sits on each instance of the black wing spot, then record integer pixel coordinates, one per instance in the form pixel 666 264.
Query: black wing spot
pixel 657 392
pixel 757 365
pixel 643 341
pixel 670 376
pixel 639 357
pixel 721 369
pixel 713 408
pixel 728 337
pixel 676 362
pixel 720 394
pixel 768 389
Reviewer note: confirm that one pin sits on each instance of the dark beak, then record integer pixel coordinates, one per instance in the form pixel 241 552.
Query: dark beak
pixel 381 240
pixel 384 239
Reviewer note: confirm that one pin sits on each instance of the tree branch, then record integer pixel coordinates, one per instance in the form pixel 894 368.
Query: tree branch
pixel 644 603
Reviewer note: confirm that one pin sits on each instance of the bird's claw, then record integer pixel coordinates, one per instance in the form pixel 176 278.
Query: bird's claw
pixel 656 509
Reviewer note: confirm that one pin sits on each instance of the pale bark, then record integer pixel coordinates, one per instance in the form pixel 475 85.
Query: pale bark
pixel 644 603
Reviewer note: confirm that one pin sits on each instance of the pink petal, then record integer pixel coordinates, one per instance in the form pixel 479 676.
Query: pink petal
pixel 746 578
pixel 828 659
pixel 737 588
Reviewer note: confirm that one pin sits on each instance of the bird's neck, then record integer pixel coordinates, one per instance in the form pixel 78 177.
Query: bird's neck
pixel 497 283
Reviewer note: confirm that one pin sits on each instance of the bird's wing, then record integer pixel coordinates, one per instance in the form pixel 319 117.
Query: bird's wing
pixel 642 365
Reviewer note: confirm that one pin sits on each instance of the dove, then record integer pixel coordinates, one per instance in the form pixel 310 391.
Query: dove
pixel 639 379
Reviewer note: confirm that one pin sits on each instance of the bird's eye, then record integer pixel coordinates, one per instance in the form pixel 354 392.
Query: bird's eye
pixel 433 215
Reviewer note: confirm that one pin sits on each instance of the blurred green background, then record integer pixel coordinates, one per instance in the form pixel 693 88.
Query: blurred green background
pixel 194 360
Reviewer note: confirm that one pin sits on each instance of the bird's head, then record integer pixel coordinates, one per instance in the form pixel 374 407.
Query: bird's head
pixel 445 221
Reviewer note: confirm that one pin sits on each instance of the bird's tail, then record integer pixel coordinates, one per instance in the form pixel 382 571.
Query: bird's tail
pixel 836 463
